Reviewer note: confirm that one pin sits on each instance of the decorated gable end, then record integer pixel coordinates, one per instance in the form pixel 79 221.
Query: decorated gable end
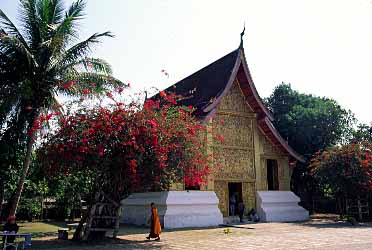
pixel 254 156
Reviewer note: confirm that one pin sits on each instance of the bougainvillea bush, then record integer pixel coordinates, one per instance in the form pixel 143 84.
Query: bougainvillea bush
pixel 344 171
pixel 130 147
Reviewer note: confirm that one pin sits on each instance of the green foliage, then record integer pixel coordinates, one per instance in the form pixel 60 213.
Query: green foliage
pixel 341 170
pixel 69 190
pixel 39 61
pixel 29 208
pixel 309 123
pixel 363 133
pixel 35 190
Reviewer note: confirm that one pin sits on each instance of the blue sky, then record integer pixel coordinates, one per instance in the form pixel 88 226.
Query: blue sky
pixel 320 47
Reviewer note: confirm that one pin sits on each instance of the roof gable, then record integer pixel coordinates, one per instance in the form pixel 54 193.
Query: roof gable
pixel 235 101
pixel 206 88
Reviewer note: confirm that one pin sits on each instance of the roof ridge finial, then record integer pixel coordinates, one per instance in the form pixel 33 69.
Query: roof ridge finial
pixel 241 36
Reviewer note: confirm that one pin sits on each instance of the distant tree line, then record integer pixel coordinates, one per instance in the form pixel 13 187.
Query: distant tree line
pixel 311 125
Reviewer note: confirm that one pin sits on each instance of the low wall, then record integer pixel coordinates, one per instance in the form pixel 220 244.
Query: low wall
pixel 280 206
pixel 177 209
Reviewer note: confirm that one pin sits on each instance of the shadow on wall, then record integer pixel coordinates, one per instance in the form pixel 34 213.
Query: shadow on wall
pixel 136 208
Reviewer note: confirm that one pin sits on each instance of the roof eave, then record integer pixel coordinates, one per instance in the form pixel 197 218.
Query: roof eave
pixel 240 60
pixel 253 87
pixel 266 122
pixel 211 106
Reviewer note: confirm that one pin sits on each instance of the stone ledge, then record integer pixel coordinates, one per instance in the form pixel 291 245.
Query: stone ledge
pixel 177 209
pixel 280 206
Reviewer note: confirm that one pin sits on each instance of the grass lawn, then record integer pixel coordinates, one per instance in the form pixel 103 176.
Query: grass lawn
pixel 41 229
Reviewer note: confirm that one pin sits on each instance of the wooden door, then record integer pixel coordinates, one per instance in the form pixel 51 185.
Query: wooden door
pixel 272 174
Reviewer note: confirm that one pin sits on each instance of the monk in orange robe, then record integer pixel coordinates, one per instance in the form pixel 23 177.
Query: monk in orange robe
pixel 155 223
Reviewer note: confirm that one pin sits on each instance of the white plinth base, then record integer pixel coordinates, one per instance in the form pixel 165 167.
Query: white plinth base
pixel 280 206
pixel 177 209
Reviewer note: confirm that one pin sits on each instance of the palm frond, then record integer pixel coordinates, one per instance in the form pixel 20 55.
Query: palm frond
pixel 42 9
pixel 48 65
pixel 95 83
pixel 76 9
pixel 30 22
pixel 93 65
pixel 7 106
pixel 57 11
pixel 97 65
pixel 10 45
pixel 79 51
pixel 8 27
pixel 68 26
pixel 62 34
pixel 50 11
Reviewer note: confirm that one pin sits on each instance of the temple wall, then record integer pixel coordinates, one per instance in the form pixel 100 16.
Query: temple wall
pixel 243 155
pixel 268 151
pixel 235 158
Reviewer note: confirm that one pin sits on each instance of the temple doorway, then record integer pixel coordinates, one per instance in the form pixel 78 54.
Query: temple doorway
pixel 272 175
pixel 235 195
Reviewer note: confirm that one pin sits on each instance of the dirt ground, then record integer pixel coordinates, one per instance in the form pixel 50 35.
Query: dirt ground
pixel 319 233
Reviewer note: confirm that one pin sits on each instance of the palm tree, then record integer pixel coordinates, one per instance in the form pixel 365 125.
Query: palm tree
pixel 39 61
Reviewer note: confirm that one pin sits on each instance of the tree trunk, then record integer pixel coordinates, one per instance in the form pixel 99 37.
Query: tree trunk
pixel 2 194
pixel 78 235
pixel 341 205
pixel 22 178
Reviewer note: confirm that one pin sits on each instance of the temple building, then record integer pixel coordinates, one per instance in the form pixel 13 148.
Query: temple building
pixel 254 158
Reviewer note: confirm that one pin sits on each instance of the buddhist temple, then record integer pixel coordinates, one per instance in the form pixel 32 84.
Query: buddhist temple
pixel 254 160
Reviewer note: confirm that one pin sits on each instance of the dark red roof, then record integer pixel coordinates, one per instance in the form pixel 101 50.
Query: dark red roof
pixel 205 88
pixel 205 85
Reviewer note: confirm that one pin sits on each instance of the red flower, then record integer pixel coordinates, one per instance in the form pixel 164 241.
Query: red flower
pixel 364 163
pixel 119 90
pixel 149 104
pixel 100 150
pixel 153 123
pixel 133 164
pixel 154 141
pixel 109 94
pixel 220 138
pixel 157 135
pixel 68 85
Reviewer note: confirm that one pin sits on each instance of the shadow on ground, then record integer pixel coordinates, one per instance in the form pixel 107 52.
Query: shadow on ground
pixel 338 224
pixel 131 229
pixel 108 244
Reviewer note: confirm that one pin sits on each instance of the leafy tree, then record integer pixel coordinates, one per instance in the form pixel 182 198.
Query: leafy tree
pixel 362 133
pixel 38 62
pixel 129 148
pixel 309 123
pixel 341 170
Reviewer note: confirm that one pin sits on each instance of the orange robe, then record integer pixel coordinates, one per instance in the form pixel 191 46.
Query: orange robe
pixel 155 224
